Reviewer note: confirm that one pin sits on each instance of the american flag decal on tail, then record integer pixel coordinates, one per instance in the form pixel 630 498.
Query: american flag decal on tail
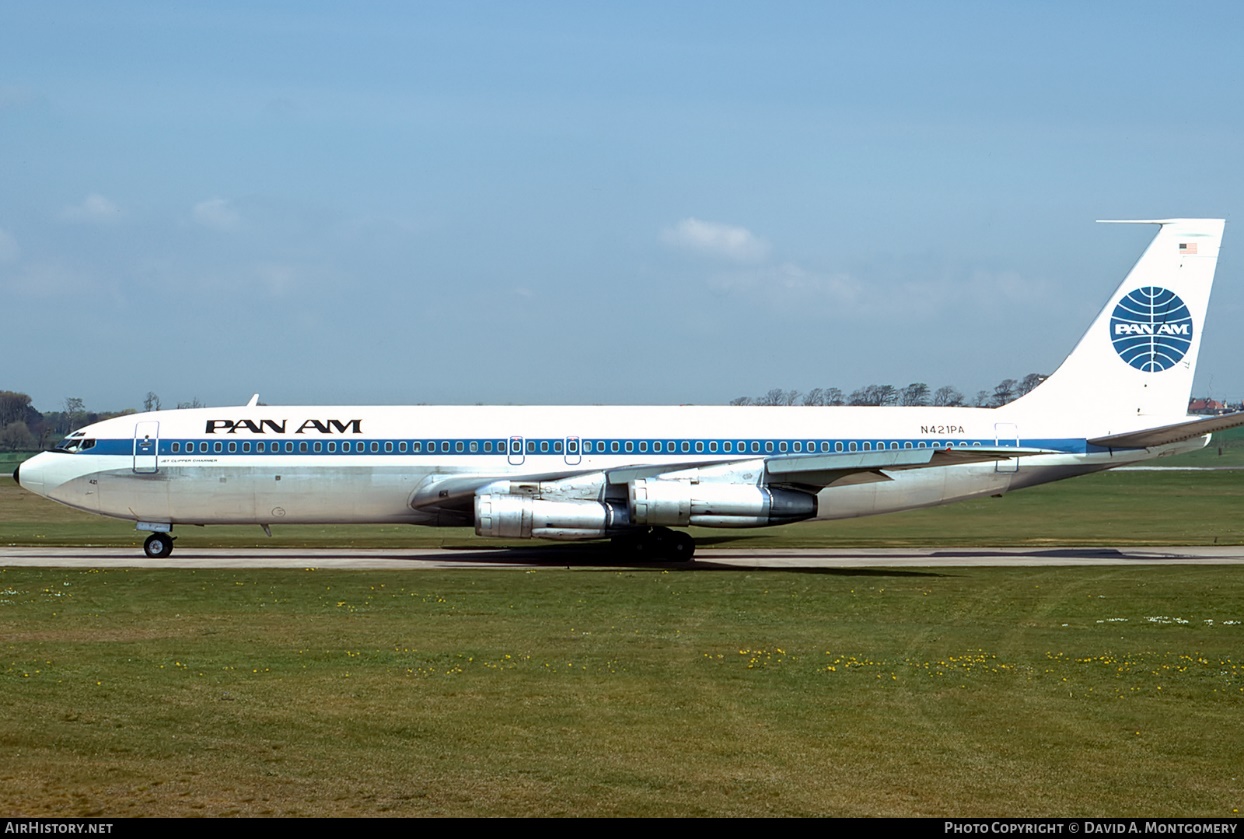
pixel 1187 248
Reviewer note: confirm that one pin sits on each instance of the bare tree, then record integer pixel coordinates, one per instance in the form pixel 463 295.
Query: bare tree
pixel 1003 392
pixel 916 393
pixel 814 397
pixel 947 397
pixel 152 402
pixel 16 437
pixel 1029 383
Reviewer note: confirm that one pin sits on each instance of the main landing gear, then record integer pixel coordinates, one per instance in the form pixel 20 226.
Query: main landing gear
pixel 158 545
pixel 658 544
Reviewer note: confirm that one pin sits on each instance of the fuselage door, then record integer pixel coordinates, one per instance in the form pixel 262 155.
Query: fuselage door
pixel 1006 435
pixel 146 447
pixel 573 451
pixel 515 454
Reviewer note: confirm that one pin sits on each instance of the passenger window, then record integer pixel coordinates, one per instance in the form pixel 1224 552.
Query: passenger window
pixel 474 446
pixel 246 447
pixel 488 447
pixel 712 446
pixel 851 446
pixel 332 447
pixel 444 445
pixel 302 446
pixel 416 446
pixel 401 447
pixel 699 446
pixel 630 446
pixel 614 446
pixel 233 447
pixel 458 447
pixel 686 446
pixel 782 446
pixel 768 446
pixel 643 446
pixel 317 446
pixel 544 447
pixel 176 448
pixel 755 446
pixel 838 446
pixel 217 447
pixel 798 447
pixel 388 446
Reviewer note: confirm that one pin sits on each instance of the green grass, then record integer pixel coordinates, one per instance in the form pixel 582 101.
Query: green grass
pixel 972 692
pixel 1111 509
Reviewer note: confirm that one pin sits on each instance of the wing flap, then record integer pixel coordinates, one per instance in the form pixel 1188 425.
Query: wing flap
pixel 845 468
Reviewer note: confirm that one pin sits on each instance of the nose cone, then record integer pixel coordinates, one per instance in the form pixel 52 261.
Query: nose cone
pixel 30 475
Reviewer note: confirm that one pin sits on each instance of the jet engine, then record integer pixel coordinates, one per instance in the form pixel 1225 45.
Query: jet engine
pixel 657 502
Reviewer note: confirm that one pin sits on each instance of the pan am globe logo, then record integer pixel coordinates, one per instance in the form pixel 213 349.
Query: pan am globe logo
pixel 1151 329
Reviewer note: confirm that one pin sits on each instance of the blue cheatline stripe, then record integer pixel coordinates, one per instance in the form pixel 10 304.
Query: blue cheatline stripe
pixel 535 447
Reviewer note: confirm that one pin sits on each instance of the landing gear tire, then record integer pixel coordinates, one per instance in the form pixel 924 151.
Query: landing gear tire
pixel 681 546
pixel 158 545
pixel 657 545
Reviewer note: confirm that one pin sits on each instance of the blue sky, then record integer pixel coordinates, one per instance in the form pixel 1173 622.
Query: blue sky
pixel 594 203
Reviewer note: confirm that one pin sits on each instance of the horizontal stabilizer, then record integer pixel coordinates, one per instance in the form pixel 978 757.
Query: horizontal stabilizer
pixel 1176 433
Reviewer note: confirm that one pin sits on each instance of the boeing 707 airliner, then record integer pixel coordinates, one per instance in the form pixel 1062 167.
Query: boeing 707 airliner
pixel 632 474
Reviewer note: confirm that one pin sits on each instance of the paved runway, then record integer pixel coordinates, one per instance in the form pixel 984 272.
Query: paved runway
pixel 578 556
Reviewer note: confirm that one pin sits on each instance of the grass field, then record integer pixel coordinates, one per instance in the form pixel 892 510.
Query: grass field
pixel 971 692
pixel 1110 509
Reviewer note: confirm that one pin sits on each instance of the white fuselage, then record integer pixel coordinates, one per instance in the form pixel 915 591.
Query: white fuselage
pixel 382 464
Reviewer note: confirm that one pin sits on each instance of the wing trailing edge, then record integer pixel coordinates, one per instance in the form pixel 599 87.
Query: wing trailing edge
pixel 1174 433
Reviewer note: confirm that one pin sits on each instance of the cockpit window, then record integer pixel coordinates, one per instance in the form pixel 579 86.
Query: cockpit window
pixel 75 443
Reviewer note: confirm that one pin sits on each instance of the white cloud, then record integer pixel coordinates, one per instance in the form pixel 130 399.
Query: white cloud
pixel 9 251
pixel 216 213
pixel 715 239
pixel 94 209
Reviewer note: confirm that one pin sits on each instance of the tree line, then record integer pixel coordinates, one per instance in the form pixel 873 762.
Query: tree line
pixel 24 428
pixel 914 394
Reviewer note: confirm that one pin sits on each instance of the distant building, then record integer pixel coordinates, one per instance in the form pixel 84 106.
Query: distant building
pixel 1208 407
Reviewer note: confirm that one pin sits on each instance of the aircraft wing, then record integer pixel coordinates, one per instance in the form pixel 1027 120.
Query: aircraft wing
pixel 812 471
pixel 1175 433
pixel 845 468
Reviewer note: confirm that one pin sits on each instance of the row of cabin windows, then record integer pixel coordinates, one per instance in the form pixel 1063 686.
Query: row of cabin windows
pixel 542 446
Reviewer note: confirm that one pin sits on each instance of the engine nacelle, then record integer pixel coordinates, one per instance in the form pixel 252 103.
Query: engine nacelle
pixel 506 516
pixel 680 503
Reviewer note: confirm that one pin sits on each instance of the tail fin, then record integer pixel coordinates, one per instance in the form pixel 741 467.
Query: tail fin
pixel 1139 356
